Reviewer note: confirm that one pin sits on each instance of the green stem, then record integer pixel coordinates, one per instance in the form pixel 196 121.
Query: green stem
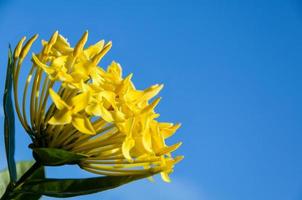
pixel 8 192
pixel 11 189
pixel 28 173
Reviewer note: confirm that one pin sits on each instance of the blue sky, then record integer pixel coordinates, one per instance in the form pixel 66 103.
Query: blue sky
pixel 232 74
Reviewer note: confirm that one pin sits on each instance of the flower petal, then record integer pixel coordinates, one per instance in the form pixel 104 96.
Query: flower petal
pixel 165 177
pixel 80 45
pixel 128 144
pixel 60 104
pixel 115 69
pixel 62 45
pixel 97 58
pixel 147 141
pixel 151 92
pixel 91 51
pixel 93 109
pixel 168 129
pixel 47 69
pixel 80 102
pixel 61 117
pixel 59 62
pixel 83 124
pixel 105 114
pixel 151 106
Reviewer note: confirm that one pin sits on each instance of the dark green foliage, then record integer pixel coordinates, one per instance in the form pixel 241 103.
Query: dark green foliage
pixel 9 121
pixel 75 187
pixel 54 157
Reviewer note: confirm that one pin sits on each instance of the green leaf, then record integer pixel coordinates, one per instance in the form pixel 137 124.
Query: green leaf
pixel 21 168
pixel 9 121
pixel 55 157
pixel 75 187
pixel 38 174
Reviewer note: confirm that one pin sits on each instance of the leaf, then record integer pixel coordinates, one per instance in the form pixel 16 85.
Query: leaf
pixel 21 168
pixel 54 157
pixel 75 187
pixel 9 121
pixel 38 174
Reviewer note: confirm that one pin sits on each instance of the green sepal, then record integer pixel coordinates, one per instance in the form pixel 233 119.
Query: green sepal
pixel 9 120
pixel 62 188
pixel 55 157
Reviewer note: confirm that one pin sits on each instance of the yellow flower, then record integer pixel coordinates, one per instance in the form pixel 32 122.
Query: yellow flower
pixel 80 107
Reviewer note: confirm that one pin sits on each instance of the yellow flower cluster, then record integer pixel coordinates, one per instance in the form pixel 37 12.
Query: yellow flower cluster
pixel 78 106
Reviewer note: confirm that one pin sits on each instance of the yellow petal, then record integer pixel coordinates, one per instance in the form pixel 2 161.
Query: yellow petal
pixel 118 116
pixel 169 149
pixel 115 69
pixel 97 58
pixel 46 68
pixel 105 114
pixel 51 42
pixel 91 51
pixel 83 124
pixel 108 95
pixel 77 76
pixel 80 45
pixel 61 117
pixel 64 77
pixel 62 45
pixel 53 38
pixel 147 141
pixel 165 177
pixel 126 85
pixel 167 129
pixel 93 109
pixel 59 62
pixel 158 141
pixel 178 159
pixel 80 101
pixel 151 107
pixel 96 78
pixel 146 135
pixel 128 144
pixel 60 104
pixel 151 92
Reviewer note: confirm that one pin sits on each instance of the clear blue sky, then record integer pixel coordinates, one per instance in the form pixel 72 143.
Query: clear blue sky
pixel 232 73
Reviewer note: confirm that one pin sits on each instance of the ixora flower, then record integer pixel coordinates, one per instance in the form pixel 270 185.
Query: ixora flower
pixel 70 103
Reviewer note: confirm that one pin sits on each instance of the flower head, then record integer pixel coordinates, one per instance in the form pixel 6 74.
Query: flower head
pixel 76 105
